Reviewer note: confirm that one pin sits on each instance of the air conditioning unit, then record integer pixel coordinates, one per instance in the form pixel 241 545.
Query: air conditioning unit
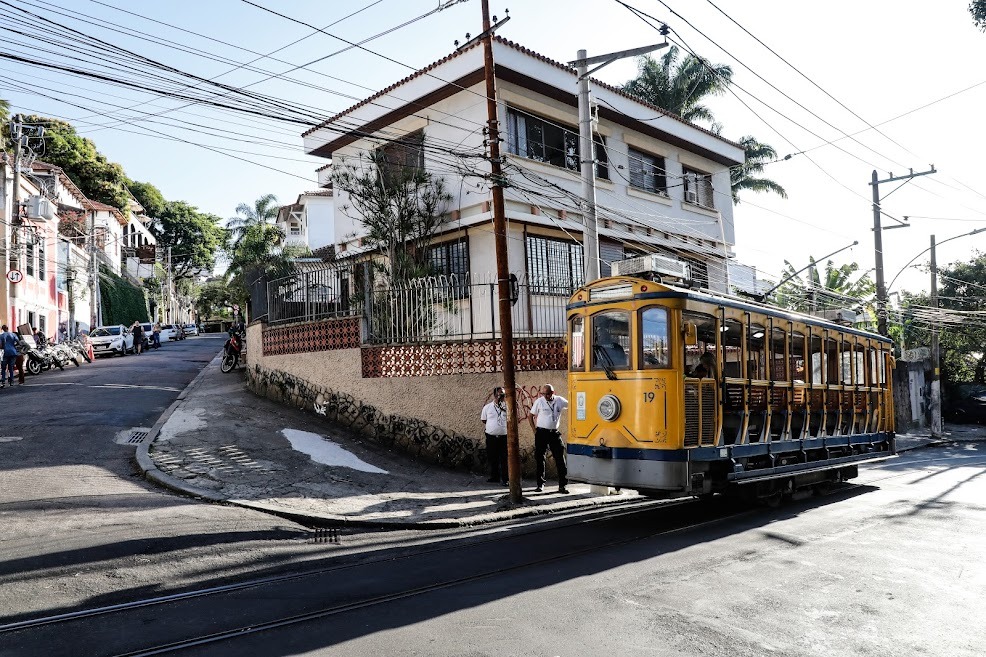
pixel 842 316
pixel 38 207
pixel 662 266
pixel 691 196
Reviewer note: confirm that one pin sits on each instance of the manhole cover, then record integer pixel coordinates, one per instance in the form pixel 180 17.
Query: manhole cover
pixel 137 437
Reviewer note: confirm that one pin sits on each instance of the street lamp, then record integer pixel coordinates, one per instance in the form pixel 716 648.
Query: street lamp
pixel 590 236
pixel 911 261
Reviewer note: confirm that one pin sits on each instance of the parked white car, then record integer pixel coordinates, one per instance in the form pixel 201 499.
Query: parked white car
pixel 191 329
pixel 111 340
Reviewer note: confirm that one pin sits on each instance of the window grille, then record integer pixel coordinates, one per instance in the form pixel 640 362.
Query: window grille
pixel 554 266
pixel 698 188
pixel 647 172
pixel 538 139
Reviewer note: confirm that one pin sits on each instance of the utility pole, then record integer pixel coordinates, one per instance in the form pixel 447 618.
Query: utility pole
pixel 502 267
pixel 15 223
pixel 881 288
pixel 94 313
pixel 171 295
pixel 70 288
pixel 936 427
pixel 587 146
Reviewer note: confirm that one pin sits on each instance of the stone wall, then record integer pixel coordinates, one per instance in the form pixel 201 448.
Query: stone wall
pixel 432 417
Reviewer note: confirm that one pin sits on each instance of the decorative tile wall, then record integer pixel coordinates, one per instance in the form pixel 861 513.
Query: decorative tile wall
pixel 476 357
pixel 324 335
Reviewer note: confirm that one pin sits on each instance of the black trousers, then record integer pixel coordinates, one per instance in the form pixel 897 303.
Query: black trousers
pixel 543 440
pixel 496 454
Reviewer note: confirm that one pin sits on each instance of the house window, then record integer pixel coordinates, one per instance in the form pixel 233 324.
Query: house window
pixel 647 172
pixel 402 158
pixel 544 141
pixel 451 259
pixel 42 265
pixel 554 266
pixel 295 229
pixel 31 319
pixel 698 188
pixel 29 255
pixel 43 325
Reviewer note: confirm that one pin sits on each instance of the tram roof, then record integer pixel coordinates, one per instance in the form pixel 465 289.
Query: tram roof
pixel 654 290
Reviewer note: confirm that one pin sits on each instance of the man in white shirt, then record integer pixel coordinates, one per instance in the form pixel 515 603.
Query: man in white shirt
pixel 494 419
pixel 545 418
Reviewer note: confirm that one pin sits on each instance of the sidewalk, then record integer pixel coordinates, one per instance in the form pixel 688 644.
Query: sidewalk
pixel 220 442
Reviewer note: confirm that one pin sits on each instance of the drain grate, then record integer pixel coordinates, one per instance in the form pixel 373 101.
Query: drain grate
pixel 137 437
pixel 325 535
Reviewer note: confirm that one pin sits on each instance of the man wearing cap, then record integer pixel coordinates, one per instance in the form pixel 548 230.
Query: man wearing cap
pixel 545 418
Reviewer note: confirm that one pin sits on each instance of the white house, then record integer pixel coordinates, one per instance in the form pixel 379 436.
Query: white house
pixel 309 221
pixel 662 184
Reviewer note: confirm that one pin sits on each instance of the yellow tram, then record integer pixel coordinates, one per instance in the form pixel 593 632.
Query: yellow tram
pixel 677 392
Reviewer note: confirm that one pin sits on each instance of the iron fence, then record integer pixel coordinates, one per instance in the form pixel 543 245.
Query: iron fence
pixel 315 293
pixel 448 308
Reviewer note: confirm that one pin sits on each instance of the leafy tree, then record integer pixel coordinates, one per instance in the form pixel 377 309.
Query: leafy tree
pixel 401 208
pixel 194 237
pixel 978 10
pixel 4 112
pixel 213 300
pixel 148 196
pixel 258 253
pixel 679 84
pixel 963 288
pixel 745 176
pixel 809 291
pixel 262 212
pixel 98 178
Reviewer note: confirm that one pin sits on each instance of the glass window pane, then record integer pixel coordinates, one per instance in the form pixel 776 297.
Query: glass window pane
pixel 576 344
pixel 611 340
pixel 654 335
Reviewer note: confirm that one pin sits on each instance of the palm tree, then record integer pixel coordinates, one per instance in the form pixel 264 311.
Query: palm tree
pixel 839 287
pixel 679 86
pixel 742 177
pixel 263 212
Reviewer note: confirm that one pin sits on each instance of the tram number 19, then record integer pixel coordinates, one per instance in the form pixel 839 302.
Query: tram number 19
pixel 648 397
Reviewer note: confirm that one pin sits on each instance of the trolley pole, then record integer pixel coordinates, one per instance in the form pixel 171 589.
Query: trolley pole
pixel 502 268
pixel 881 288
pixel 936 426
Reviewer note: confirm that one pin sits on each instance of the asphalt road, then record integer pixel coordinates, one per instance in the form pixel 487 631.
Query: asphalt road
pixel 79 524
pixel 890 565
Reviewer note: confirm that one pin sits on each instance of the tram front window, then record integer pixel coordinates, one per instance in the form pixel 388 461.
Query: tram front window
pixel 654 333
pixel 611 340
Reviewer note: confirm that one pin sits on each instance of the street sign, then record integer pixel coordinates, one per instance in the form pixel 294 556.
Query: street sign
pixel 15 276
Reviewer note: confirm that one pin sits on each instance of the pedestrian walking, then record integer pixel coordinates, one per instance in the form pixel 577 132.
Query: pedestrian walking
pixel 156 335
pixel 545 418
pixel 138 332
pixel 8 341
pixel 494 419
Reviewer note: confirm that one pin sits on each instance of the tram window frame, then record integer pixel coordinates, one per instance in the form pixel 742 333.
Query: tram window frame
pixel 778 357
pixel 756 354
pixel 883 367
pixel 797 339
pixel 731 336
pixel 817 348
pixel 573 352
pixel 627 349
pixel 873 362
pixel 859 363
pixel 846 368
pixel 830 346
pixel 642 350
pixel 706 332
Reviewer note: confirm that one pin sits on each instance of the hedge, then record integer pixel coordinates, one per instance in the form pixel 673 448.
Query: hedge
pixel 122 302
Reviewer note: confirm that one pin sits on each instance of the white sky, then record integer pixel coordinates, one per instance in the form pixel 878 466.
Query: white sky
pixel 880 58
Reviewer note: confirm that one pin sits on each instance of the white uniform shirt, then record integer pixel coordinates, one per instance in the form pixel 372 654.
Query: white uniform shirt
pixel 495 417
pixel 547 415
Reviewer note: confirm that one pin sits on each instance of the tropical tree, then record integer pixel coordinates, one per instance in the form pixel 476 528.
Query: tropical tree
pixel 810 291
pixel 679 84
pixel 744 177
pixel 4 112
pixel 978 10
pixel 263 212
pixel 194 238
pixel 148 196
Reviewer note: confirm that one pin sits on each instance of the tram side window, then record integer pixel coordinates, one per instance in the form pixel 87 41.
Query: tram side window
pixel 881 368
pixel 817 361
pixel 732 349
pixel 846 371
pixel 755 353
pixel 832 361
pixel 700 356
pixel 778 362
pixel 611 340
pixel 859 364
pixel 798 357
pixel 576 344
pixel 654 334
pixel 874 367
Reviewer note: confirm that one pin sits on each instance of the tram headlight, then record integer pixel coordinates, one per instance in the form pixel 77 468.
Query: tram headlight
pixel 609 407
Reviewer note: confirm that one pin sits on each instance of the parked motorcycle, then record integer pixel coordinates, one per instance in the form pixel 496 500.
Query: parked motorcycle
pixel 231 351
pixel 64 354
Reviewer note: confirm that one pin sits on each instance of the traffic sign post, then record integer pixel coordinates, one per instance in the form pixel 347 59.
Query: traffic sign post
pixel 15 276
